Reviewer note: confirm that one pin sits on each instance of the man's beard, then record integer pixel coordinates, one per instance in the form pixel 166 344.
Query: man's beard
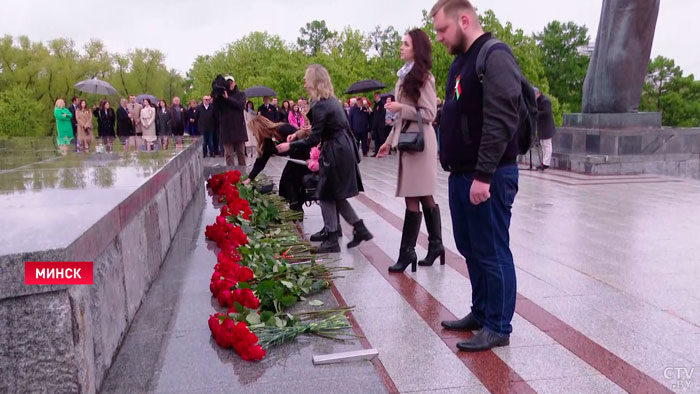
pixel 461 46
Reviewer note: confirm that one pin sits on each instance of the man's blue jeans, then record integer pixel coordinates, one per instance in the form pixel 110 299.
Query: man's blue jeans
pixel 481 235
pixel 208 143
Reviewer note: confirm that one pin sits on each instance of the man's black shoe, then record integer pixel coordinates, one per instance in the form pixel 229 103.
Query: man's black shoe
pixel 484 340
pixel 467 323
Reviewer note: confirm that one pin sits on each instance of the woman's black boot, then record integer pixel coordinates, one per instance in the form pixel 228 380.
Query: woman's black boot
pixel 330 245
pixel 435 247
pixel 407 253
pixel 359 234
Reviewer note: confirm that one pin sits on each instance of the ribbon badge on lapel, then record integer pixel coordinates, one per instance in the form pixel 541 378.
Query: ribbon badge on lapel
pixel 458 88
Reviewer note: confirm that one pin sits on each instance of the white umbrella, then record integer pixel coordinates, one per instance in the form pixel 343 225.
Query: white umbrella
pixel 96 86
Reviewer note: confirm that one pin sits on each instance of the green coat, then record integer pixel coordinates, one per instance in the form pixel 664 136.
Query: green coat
pixel 63 126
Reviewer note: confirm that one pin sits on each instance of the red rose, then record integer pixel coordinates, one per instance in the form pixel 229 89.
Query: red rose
pixel 224 298
pixel 244 274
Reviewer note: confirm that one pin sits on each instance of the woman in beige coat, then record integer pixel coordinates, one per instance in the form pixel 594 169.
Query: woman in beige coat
pixel 148 123
pixel 415 91
pixel 83 117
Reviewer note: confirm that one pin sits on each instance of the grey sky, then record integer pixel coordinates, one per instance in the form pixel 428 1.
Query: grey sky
pixel 183 29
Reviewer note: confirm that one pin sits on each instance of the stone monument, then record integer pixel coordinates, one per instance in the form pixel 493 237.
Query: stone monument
pixel 611 136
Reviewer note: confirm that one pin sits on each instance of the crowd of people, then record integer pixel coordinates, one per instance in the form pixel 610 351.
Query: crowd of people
pixel 474 135
pixel 136 125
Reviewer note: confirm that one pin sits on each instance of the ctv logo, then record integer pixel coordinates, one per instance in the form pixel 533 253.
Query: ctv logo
pixel 57 273
pixel 681 377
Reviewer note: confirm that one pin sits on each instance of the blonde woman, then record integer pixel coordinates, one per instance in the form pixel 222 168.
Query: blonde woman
pixel 268 135
pixel 84 119
pixel 148 123
pixel 339 174
pixel 64 127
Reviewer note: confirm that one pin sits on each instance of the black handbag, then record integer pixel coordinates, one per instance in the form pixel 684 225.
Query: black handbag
pixel 310 187
pixel 412 141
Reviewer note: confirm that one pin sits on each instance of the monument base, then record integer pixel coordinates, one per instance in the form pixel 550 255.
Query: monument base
pixel 625 144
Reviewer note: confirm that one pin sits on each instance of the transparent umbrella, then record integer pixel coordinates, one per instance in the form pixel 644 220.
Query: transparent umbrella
pixel 96 86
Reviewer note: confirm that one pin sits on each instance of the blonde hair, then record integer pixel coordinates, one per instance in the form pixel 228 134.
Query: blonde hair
pixel 263 129
pixel 60 103
pixel 451 7
pixel 319 82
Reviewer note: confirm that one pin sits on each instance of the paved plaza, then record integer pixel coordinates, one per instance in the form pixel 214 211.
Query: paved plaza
pixel 608 300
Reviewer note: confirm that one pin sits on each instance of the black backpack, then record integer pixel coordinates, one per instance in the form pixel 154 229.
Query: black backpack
pixel 527 110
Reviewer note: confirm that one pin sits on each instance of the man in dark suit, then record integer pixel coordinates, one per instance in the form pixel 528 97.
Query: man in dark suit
pixel 378 123
pixel 74 121
pixel 206 124
pixel 545 128
pixel 125 128
pixel 268 110
pixel 359 123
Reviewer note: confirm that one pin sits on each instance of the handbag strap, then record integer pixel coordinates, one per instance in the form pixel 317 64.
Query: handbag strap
pixel 407 123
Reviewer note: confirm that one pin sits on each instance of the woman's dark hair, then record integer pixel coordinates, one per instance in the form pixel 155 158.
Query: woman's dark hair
pixel 163 104
pixel 80 104
pixel 422 63
pixel 149 102
pixel 285 102
pixel 249 104
pixel 102 105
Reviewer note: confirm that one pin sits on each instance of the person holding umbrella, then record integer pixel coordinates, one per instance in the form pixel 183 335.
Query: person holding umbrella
pixel 416 101
pixel 105 124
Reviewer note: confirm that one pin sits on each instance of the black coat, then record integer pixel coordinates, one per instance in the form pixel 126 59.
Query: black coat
pixel 359 120
pixel 229 113
pixel 270 112
pixel 192 114
pixel 283 116
pixel 177 120
pixel 545 119
pixel 339 174
pixel 205 119
pixel 290 185
pixel 378 116
pixel 163 123
pixel 124 126
pixel 73 120
pixel 105 122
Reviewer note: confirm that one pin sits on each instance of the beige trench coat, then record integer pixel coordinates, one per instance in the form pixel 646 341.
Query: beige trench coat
pixel 148 124
pixel 417 170
pixel 84 120
pixel 135 110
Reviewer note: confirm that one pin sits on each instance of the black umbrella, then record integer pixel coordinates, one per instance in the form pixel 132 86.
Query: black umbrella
pixel 140 97
pixel 259 91
pixel 96 86
pixel 368 85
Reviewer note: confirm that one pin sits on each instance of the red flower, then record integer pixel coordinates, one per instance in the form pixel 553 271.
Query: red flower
pixel 243 274
pixel 246 298
pixel 224 298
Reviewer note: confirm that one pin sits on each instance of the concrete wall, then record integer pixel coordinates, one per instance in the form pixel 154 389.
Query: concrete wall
pixel 64 339
pixel 663 151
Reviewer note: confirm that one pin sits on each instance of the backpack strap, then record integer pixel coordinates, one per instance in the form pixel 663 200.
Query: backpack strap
pixel 483 54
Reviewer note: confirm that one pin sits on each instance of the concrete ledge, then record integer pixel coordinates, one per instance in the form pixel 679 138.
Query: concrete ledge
pixel 64 339
pixel 643 120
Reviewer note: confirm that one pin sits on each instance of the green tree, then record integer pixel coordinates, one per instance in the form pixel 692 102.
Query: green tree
pixel 18 113
pixel 315 37
pixel 666 90
pixel 564 67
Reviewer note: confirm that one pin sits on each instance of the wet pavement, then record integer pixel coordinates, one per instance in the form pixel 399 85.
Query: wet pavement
pixel 169 348
pixel 608 298
pixel 49 201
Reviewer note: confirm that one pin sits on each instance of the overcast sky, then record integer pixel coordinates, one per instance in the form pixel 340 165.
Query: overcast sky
pixel 183 29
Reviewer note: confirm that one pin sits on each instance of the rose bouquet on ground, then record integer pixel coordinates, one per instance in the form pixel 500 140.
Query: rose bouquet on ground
pixel 262 269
